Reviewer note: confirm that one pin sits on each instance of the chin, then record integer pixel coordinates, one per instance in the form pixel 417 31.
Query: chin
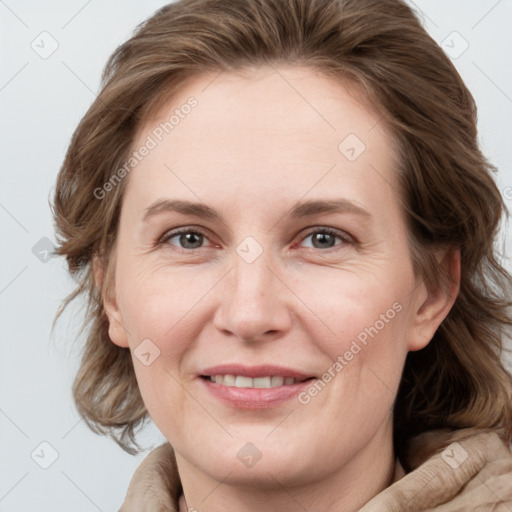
pixel 260 464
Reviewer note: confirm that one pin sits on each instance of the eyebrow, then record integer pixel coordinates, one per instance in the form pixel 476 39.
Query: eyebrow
pixel 299 210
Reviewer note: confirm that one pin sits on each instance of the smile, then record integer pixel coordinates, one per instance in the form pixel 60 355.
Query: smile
pixel 242 381
pixel 253 387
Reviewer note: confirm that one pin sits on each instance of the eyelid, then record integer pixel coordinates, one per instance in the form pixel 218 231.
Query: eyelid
pixel 178 231
pixel 342 235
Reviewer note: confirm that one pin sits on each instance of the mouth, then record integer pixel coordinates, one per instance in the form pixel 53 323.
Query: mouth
pixel 259 387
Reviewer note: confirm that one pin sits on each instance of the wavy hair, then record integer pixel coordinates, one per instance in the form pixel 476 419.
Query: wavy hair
pixel 448 190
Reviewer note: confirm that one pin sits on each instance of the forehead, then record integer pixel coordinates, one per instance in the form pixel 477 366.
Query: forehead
pixel 270 128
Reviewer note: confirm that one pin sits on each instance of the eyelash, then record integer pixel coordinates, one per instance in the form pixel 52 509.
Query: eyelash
pixel 344 237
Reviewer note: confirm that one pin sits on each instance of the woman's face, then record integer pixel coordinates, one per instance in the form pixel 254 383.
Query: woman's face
pixel 292 272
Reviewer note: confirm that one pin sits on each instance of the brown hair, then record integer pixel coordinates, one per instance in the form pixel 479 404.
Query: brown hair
pixel 449 193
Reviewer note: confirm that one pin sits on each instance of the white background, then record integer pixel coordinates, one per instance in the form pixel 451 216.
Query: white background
pixel 42 101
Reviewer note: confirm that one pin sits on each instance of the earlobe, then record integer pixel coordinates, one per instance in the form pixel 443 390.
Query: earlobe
pixel 116 330
pixel 433 306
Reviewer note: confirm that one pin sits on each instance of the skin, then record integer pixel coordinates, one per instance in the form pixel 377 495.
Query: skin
pixel 257 143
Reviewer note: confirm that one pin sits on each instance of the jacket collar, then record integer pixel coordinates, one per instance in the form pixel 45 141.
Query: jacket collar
pixel 466 470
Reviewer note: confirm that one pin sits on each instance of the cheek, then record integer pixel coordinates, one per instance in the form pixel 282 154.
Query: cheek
pixel 361 325
pixel 353 305
pixel 156 302
pixel 163 312
pixel 157 316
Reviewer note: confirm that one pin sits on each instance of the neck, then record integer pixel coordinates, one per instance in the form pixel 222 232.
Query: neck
pixel 346 489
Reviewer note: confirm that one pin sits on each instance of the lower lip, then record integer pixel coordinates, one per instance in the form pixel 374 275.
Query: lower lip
pixel 254 398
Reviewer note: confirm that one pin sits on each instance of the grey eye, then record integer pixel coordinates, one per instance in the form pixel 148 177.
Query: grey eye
pixel 324 239
pixel 187 239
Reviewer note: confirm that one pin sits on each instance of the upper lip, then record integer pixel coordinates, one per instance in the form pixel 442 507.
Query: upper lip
pixel 254 371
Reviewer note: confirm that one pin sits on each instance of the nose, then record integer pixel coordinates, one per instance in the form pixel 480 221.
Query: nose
pixel 255 303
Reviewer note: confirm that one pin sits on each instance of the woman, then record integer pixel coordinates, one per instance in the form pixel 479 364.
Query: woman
pixel 284 227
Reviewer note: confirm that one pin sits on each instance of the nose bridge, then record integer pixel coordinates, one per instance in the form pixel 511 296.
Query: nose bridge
pixel 252 304
pixel 252 280
pixel 251 275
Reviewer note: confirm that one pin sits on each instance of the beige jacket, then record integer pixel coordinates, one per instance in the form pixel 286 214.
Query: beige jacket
pixel 467 470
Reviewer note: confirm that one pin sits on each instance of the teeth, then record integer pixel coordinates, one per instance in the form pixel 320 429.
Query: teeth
pixel 241 381
pixel 277 381
pixel 227 380
pixel 262 382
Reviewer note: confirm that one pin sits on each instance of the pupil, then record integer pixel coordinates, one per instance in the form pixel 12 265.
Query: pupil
pixel 322 238
pixel 188 238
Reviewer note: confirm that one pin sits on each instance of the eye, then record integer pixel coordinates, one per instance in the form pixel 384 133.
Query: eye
pixel 185 239
pixel 325 238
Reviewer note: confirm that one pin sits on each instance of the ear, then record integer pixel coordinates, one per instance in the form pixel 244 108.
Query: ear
pixel 116 331
pixel 432 307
